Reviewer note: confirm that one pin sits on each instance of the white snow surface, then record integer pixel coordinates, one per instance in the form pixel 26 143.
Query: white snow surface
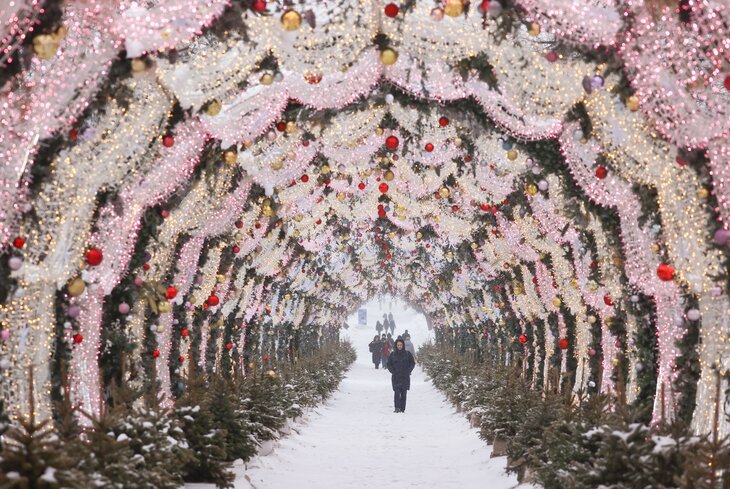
pixel 355 440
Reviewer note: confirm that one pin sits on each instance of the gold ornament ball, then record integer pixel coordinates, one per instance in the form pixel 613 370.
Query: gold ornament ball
pixel 531 189
pixel 454 8
pixel 391 235
pixel 138 65
pixel 230 157
pixel 267 211
pixel 458 142
pixel 557 302
pixel 163 306
pixel 512 154
pixel 703 193
pixel 271 374
pixel 534 29
pixel 341 196
pixel 518 290
pixel 389 176
pixel 266 79
pixel 298 218
pixel 250 365
pixel 655 248
pixel 379 131
pixel 444 192
pixel 296 233
pixel 45 46
pixel 592 319
pixel 419 235
pixel 291 127
pixel 291 20
pixel 324 169
pixel 388 56
pixel 214 108
pixel 632 103
pixel 76 287
pixel 287 297
pixel 220 278
pixel 277 165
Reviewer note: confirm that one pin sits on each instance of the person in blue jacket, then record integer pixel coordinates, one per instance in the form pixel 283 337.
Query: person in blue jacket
pixel 400 364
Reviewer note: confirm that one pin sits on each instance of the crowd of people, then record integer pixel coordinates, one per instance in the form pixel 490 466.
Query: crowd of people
pixel 398 357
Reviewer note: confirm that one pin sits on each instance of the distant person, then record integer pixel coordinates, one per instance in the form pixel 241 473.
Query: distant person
pixel 376 348
pixel 378 327
pixel 391 323
pixel 400 364
pixel 387 348
pixel 409 345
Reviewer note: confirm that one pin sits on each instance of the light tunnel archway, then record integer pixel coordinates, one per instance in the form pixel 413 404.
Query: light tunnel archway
pixel 254 192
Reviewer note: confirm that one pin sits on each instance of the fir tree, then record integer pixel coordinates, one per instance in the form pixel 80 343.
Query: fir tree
pixel 204 438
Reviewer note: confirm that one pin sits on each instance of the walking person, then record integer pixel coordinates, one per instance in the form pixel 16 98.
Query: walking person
pixel 391 323
pixel 387 348
pixel 376 348
pixel 378 327
pixel 400 364
pixel 409 345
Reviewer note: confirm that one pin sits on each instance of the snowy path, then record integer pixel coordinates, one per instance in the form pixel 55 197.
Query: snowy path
pixel 356 441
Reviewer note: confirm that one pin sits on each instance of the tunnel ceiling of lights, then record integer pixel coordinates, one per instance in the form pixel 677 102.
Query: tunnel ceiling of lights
pixel 546 176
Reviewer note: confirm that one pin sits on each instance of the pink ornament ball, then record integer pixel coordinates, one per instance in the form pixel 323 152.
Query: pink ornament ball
pixel 74 311
pixel 722 236
pixel 123 308
pixel 138 281
pixel 693 314
pixel 15 263
pixel 592 352
pixel 4 334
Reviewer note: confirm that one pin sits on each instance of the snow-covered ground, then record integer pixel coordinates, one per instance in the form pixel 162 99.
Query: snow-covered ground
pixel 356 441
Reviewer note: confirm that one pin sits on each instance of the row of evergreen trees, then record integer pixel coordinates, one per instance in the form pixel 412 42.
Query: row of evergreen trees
pixel 574 441
pixel 137 443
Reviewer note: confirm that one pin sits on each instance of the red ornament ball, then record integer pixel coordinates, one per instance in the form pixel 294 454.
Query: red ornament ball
pixel 266 358
pixel 236 249
pixel 563 343
pixel 665 272
pixel 73 134
pixel 429 147
pixel 78 338
pixel 229 346
pixel 94 257
pixel 607 300
pixel 146 266
pixel 551 56
pixel 727 82
pixel 181 359
pixel 239 224
pixel 185 332
pixel 391 142
pixel 361 186
pixel 19 243
pixel 381 213
pixel 383 187
pixel 601 172
pixel 484 6
pixel 305 178
pixel 170 293
pixel 485 207
pixel 281 126
pixel 388 256
pixel 391 10
pixel 259 6
pixel 155 353
pixel 523 339
pixel 443 121
pixel 168 141
pixel 213 300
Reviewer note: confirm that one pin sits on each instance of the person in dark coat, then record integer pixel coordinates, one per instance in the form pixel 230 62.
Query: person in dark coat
pixel 387 348
pixel 400 364
pixel 391 323
pixel 376 348
pixel 378 327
